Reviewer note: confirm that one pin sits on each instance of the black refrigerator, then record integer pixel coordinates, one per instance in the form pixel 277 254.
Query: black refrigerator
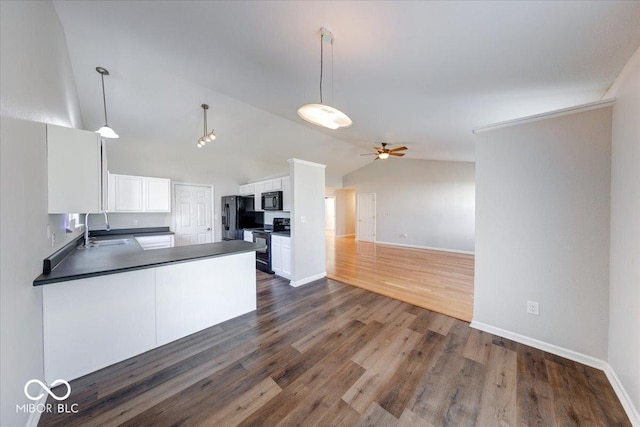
pixel 238 213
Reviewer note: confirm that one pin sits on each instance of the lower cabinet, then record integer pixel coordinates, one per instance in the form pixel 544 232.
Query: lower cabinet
pixel 156 242
pixel 95 322
pixel 281 255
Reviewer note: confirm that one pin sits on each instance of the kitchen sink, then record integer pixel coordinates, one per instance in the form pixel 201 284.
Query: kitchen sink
pixel 110 242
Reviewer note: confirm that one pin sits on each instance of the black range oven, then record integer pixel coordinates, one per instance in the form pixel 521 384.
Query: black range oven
pixel 263 257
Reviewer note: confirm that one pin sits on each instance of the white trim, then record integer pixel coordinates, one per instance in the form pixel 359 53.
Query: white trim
pixel 548 115
pixel 542 345
pixel 623 396
pixel 426 247
pixel 346 235
pixel 34 417
pixel 618 388
pixel 306 162
pixel 296 283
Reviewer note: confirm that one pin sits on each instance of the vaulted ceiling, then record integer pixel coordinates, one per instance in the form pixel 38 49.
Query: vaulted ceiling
pixel 421 74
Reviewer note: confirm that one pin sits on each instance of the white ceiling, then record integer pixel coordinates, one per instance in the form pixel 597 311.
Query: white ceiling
pixel 423 74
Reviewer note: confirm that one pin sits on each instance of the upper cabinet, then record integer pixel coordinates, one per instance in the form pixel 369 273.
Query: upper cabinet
pixel 257 188
pixel 130 193
pixel 74 171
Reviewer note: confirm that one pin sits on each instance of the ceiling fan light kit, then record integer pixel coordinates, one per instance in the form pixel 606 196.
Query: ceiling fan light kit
pixel 105 131
pixel 321 114
pixel 206 137
pixel 383 153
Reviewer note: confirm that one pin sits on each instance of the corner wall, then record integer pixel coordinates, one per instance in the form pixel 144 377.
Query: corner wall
pixel 37 84
pixel 542 230
pixel 624 302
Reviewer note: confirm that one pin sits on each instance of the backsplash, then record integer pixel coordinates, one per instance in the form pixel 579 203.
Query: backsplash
pixel 269 215
pixel 130 220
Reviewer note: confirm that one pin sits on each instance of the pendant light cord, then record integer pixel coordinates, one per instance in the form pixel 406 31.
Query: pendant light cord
pixel 205 121
pixel 104 102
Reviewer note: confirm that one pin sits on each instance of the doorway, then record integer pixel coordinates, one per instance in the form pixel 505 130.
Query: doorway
pixel 366 217
pixel 330 213
pixel 192 214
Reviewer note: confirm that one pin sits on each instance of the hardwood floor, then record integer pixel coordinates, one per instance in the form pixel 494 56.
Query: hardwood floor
pixel 436 280
pixel 330 354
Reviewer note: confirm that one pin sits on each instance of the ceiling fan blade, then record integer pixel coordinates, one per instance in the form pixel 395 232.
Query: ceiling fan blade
pixel 397 154
pixel 377 158
pixel 378 148
pixel 369 154
pixel 398 149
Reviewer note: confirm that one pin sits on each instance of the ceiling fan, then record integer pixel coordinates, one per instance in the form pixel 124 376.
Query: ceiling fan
pixel 383 152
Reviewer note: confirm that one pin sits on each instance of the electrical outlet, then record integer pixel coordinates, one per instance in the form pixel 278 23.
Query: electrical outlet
pixel 403 235
pixel 136 222
pixel 533 308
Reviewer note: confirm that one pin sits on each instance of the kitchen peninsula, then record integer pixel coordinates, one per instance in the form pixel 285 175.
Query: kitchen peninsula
pixel 105 304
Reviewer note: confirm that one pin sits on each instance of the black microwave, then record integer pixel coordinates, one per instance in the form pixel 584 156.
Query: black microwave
pixel 272 201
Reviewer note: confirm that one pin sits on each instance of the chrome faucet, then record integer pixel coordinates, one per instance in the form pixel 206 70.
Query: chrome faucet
pixel 86 227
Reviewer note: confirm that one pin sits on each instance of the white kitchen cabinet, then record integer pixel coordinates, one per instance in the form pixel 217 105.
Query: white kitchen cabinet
pixel 157 194
pixel 259 186
pixel 156 242
pixel 286 193
pixel 281 255
pixel 130 193
pixel 248 236
pixel 125 193
pixel 276 184
pixel 74 173
pixel 247 190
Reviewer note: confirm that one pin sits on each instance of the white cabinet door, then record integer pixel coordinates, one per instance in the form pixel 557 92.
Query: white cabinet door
pixel 125 193
pixel 155 242
pixel 276 256
pixel 247 190
pixel 259 189
pixel 276 184
pixel 285 254
pixel 74 171
pixel 267 186
pixel 286 193
pixel 157 194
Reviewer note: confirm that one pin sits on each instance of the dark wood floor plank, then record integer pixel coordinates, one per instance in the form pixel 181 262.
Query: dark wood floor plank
pixel 329 354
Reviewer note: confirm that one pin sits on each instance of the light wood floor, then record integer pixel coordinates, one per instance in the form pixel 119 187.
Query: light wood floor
pixel 329 354
pixel 436 280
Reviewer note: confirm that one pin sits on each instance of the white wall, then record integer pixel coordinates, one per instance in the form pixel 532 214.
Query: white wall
pixel 36 84
pixel 433 202
pixel 624 294
pixel 542 229
pixel 308 257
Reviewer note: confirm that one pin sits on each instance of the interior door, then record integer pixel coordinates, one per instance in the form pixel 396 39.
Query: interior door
pixel 330 213
pixel 366 227
pixel 192 214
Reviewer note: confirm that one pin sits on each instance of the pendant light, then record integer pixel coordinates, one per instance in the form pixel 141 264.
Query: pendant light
pixel 206 137
pixel 321 114
pixel 105 131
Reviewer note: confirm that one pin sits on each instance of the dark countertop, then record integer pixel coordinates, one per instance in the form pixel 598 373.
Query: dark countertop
pixel 100 261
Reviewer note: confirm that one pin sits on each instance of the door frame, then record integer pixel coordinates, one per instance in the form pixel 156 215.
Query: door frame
pixel 375 216
pixel 335 213
pixel 213 206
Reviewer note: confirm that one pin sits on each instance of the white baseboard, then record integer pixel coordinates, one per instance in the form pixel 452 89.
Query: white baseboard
pixel 425 247
pixel 34 417
pixel 623 396
pixel 346 235
pixel 296 283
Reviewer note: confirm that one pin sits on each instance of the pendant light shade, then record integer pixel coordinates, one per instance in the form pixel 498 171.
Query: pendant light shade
pixel 105 131
pixel 321 114
pixel 206 137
